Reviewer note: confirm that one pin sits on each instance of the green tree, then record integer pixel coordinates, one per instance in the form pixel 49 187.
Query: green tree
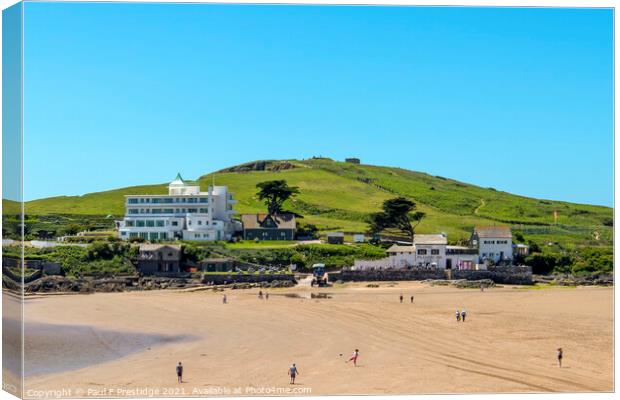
pixel 397 214
pixel 275 193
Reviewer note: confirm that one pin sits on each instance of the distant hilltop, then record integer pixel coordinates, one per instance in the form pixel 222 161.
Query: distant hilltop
pixel 340 195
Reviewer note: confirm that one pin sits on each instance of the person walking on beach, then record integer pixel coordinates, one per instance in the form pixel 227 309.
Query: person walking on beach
pixel 293 372
pixel 353 358
pixel 458 315
pixel 411 299
pixel 560 357
pixel 463 314
pixel 266 296
pixel 401 297
pixel 481 288
pixel 224 299
pixel 260 294
pixel 180 372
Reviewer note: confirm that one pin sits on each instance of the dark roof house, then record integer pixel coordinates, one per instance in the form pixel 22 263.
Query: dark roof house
pixel 269 226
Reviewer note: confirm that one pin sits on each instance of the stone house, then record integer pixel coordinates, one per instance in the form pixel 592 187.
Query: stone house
pixel 159 258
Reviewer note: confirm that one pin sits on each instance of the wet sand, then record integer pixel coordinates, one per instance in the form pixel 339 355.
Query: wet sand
pixel 508 343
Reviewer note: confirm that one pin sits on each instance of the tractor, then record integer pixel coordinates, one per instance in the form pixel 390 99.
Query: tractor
pixel 319 276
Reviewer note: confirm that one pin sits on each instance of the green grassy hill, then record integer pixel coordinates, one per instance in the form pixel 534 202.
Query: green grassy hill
pixel 339 196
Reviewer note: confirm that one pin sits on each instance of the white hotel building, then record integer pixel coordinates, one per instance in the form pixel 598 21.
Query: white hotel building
pixel 184 213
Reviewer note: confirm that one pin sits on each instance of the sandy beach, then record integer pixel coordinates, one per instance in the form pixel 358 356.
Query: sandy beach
pixel 126 343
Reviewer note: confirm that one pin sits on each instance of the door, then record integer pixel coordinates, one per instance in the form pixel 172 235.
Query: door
pixel 448 263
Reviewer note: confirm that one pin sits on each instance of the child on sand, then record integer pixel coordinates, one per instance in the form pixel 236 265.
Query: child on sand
pixel 293 372
pixel 353 358
pixel 560 357
pixel 180 373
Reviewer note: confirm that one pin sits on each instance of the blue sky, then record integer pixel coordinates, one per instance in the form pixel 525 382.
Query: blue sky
pixel 125 94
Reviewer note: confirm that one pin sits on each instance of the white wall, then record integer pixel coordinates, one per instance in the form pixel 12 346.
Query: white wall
pixel 487 246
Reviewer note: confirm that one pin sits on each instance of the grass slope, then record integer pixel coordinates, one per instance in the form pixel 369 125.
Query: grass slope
pixel 339 196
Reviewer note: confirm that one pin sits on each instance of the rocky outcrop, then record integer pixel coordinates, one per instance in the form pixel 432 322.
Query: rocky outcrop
pixel 61 284
pixel 598 279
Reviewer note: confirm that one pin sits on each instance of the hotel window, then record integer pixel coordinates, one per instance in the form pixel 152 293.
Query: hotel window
pixel 150 223
pixel 133 234
pixel 422 252
pixel 129 223
pixel 132 201
pixel 168 211
pixel 163 235
pixel 192 210
pixel 175 223
pixel 144 235
pixel 199 222
pixel 434 251
pixel 132 211
pixel 139 223
pixel 156 211
pixel 203 210
pixel 154 236
pixel 159 223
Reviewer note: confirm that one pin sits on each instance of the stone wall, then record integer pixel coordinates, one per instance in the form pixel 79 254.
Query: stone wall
pixel 387 275
pixel 515 275
pixel 507 275
pixel 226 278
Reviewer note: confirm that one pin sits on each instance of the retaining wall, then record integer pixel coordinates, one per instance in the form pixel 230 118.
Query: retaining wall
pixel 511 275
pixel 507 275
pixel 221 279
pixel 387 275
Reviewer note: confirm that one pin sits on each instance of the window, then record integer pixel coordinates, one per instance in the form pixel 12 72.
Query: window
pixel 435 251
pixel 124 233
pixel 159 223
pixel 175 223
pixel 129 223
pixel 144 235
pixel 156 211
pixel 132 201
pixel 133 234
pixel 203 210
pixel 422 252
pixel 192 210
pixel 163 235
pixel 153 236
pixel 199 222
pixel 132 211
pixel 140 223
pixel 150 223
